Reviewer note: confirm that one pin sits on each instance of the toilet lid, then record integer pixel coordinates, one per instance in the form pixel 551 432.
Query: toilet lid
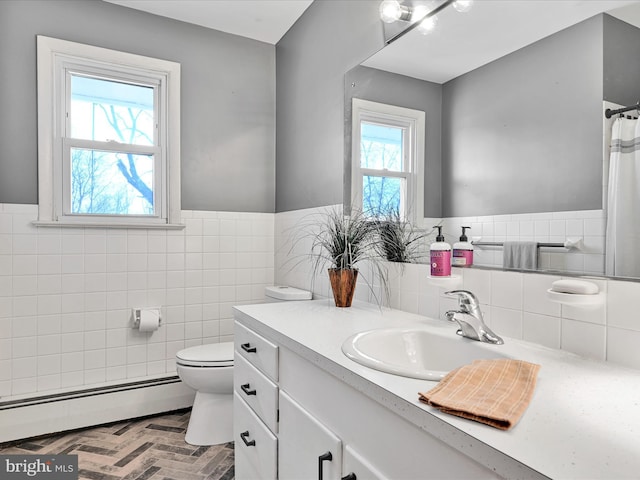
pixel 287 293
pixel 211 355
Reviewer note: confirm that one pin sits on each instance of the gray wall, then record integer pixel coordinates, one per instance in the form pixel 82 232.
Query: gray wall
pixel 524 133
pixel 228 98
pixel 312 58
pixel 621 62
pixel 384 87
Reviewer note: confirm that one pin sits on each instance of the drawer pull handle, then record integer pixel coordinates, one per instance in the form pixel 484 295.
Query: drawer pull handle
pixel 321 459
pixel 248 348
pixel 246 388
pixel 248 443
pixel 351 476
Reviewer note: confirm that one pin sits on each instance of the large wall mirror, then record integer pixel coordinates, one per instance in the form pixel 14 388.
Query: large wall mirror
pixel 516 140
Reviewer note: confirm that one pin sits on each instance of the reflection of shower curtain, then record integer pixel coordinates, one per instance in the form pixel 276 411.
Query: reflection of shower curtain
pixel 623 207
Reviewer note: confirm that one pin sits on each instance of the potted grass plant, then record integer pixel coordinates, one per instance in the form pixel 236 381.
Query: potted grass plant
pixel 400 240
pixel 341 244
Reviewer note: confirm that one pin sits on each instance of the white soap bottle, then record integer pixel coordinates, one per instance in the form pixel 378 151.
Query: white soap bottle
pixel 463 251
pixel 440 255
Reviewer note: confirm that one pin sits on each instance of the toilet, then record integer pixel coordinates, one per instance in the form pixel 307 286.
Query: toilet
pixel 208 369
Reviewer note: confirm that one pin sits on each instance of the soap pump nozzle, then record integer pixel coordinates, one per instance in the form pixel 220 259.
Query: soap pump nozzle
pixel 439 237
pixel 463 237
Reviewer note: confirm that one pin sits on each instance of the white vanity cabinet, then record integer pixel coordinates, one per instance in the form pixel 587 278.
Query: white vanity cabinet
pixel 255 406
pixel 386 432
pixel 325 429
pixel 308 449
pixel 353 462
pixel 376 442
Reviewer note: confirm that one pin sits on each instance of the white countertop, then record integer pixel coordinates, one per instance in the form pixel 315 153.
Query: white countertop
pixel 582 423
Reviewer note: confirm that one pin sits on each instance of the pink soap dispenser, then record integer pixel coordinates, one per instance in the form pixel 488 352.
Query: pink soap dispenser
pixel 440 254
pixel 463 251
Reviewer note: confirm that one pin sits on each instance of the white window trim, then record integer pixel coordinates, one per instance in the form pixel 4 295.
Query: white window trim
pixel 368 110
pixel 49 206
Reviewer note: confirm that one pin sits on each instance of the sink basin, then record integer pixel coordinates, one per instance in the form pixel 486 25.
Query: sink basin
pixel 416 352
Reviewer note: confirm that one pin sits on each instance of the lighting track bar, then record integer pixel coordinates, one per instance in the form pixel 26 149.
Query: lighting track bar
pixel 415 24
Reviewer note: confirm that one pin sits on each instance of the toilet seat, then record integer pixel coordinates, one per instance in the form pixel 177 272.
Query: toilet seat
pixel 211 355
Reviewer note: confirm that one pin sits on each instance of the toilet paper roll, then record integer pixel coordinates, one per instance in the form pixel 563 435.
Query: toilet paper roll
pixel 149 320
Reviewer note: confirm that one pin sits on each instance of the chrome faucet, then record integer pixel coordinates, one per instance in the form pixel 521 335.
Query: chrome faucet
pixel 469 318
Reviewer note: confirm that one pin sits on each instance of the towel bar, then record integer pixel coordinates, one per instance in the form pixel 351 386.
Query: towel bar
pixel 500 244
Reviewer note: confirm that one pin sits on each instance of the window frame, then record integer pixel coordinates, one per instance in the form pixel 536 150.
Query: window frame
pixel 413 148
pixel 56 59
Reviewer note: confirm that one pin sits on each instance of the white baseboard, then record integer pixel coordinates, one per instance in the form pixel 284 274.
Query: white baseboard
pixel 57 416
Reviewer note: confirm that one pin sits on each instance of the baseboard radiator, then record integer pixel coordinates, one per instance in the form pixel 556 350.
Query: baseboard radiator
pixel 46 414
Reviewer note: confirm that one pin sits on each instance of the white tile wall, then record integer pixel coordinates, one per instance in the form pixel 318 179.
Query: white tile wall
pixel 556 227
pixel 514 303
pixel 66 295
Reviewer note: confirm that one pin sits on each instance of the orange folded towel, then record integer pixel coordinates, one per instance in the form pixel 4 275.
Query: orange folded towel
pixel 496 392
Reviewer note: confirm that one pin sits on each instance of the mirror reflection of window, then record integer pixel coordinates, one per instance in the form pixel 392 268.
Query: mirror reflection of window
pixel 388 146
pixel 385 168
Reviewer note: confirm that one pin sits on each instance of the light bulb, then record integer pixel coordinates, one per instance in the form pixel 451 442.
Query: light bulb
pixel 390 11
pixel 462 5
pixel 427 25
pixel 419 11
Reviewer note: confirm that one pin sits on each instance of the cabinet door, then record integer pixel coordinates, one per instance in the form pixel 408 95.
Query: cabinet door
pixel 255 445
pixel 357 468
pixel 307 450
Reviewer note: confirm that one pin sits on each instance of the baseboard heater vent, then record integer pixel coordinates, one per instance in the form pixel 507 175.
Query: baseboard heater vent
pixel 87 392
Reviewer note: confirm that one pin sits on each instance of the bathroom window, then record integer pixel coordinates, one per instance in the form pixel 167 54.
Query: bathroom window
pixel 108 137
pixel 387 159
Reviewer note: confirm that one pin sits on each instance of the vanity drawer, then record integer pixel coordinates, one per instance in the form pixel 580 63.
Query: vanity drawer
pixel 256 448
pixel 260 393
pixel 259 351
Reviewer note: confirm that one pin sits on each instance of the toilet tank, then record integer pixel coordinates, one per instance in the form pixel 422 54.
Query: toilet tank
pixel 278 293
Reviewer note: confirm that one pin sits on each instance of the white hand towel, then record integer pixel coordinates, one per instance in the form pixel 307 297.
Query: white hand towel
pixel 522 255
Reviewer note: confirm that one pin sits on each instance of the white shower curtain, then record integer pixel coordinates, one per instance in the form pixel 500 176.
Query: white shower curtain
pixel 623 200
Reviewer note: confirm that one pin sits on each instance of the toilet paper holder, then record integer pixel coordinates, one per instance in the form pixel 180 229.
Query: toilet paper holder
pixel 137 313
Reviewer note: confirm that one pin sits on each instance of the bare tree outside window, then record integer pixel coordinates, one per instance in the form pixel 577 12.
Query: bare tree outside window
pixel 99 186
pixel 381 149
pixel 112 182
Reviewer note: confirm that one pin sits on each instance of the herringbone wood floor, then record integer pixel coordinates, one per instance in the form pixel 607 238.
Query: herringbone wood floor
pixel 150 448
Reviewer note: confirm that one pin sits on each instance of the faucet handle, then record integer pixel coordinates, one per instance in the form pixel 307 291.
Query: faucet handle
pixel 469 317
pixel 465 298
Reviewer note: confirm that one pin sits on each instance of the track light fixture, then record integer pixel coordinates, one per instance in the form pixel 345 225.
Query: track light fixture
pixel 394 10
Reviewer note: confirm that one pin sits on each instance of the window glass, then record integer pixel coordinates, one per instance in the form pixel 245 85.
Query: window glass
pixel 381 147
pixel 382 195
pixel 111 183
pixel 106 110
pixel 387 165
